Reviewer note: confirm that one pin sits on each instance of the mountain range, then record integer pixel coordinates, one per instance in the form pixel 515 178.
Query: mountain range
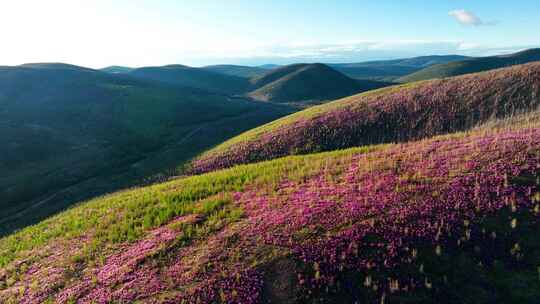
pixel 389 70
pixel 472 65
pixel 283 84
pixel 444 219
pixel 226 184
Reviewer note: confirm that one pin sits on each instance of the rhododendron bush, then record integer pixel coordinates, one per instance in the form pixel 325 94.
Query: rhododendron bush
pixel 452 219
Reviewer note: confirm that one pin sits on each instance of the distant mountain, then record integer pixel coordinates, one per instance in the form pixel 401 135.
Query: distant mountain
pixel 236 70
pixel 391 69
pixel 52 65
pixel 70 133
pixel 473 65
pixel 116 69
pixel 269 66
pixel 301 82
pixel 186 76
pixel 421 61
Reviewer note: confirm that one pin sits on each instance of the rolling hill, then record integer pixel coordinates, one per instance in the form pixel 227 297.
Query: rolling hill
pixel 389 70
pixel 473 65
pixel 453 219
pixel 304 82
pixel 70 133
pixel 236 70
pixel 185 76
pixel 398 113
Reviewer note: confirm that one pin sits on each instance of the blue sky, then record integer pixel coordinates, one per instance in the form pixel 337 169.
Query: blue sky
pixel 199 32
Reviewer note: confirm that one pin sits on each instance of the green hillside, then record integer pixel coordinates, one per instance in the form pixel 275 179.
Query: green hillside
pixel 473 65
pixel 71 133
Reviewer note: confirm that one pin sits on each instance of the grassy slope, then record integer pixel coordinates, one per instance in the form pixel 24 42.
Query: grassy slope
pixel 472 65
pixel 398 113
pixel 70 133
pixel 302 82
pixel 222 236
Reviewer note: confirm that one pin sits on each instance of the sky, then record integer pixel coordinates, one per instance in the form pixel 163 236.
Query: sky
pixel 99 33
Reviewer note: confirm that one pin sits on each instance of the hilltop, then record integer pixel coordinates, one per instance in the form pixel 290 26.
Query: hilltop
pixel 473 65
pixel 70 133
pixel 398 113
pixel 117 69
pixel 301 82
pixel 453 219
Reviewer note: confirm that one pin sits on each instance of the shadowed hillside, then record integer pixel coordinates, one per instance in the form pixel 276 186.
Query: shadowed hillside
pixel 473 65
pixel 70 133
pixel 392 114
pixel 185 76
pixel 301 82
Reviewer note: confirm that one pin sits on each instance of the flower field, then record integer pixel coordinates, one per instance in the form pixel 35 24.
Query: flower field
pixel 452 219
pixel 395 114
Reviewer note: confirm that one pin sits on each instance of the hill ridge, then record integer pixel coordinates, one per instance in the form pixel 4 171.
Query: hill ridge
pixel 473 65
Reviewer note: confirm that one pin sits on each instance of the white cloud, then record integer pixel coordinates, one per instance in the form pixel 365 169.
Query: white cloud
pixel 466 18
